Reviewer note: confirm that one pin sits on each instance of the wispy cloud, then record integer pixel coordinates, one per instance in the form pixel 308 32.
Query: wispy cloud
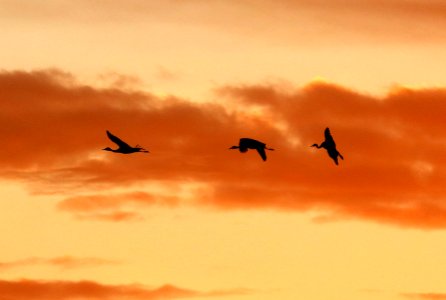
pixel 163 73
pixel 61 290
pixel 65 262
pixel 373 19
pixel 113 207
pixel 424 296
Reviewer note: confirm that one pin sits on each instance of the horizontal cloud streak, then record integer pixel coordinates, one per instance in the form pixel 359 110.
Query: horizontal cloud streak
pixel 61 290
pixel 337 19
pixel 109 207
pixel 65 262
pixel 425 296
pixel 393 146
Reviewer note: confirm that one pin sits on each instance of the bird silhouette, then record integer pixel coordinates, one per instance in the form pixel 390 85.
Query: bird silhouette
pixel 123 147
pixel 330 146
pixel 247 143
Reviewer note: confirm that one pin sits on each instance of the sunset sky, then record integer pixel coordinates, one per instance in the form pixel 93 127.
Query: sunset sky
pixel 193 220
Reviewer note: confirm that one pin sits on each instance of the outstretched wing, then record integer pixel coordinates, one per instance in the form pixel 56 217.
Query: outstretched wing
pixel 117 140
pixel 262 153
pixel 328 138
pixel 327 133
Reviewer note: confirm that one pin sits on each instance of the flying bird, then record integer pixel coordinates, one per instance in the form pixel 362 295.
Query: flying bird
pixel 123 147
pixel 330 146
pixel 247 143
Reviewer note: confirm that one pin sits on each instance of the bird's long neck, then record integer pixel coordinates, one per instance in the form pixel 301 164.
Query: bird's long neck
pixel 317 146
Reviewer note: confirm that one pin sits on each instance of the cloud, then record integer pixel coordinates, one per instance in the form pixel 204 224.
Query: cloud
pixel 93 202
pixel 424 296
pixel 113 216
pixel 65 262
pixel 57 130
pixel 313 21
pixel 61 290
pixel 393 147
pixel 110 207
pixel 119 81
pixel 370 21
pixel 164 74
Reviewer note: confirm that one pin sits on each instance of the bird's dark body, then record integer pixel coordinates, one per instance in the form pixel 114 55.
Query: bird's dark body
pixel 247 143
pixel 329 145
pixel 126 151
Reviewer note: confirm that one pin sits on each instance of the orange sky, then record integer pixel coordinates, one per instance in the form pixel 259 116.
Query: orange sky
pixel 186 80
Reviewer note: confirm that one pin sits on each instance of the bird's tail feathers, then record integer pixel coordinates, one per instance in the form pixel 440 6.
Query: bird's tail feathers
pixel 141 149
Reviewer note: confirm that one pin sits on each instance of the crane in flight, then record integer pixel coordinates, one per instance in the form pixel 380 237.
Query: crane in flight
pixel 123 147
pixel 329 145
pixel 247 143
